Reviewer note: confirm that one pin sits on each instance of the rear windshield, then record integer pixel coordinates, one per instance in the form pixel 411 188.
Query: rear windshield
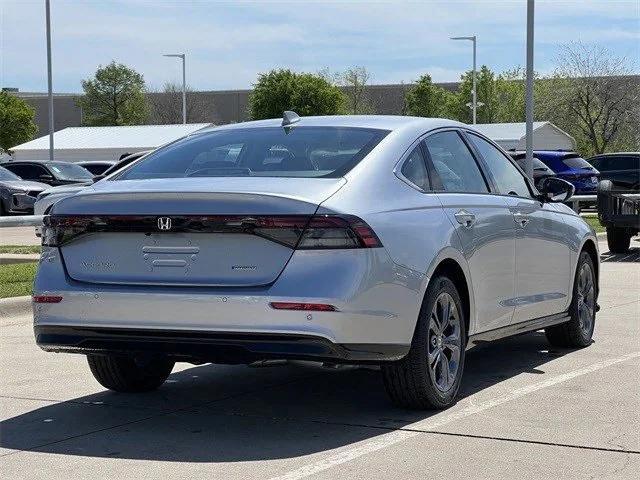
pixel 261 152
pixel 70 171
pixel 577 162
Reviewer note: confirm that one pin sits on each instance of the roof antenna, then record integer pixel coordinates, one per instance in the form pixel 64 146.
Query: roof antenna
pixel 289 118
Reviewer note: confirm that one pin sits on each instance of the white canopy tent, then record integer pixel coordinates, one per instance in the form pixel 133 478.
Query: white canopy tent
pixel 75 144
pixel 512 136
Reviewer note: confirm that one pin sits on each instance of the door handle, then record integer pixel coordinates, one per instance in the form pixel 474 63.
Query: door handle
pixel 521 219
pixel 465 218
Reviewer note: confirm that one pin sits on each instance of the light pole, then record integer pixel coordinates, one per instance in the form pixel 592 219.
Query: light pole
pixel 49 81
pixel 474 101
pixel 184 84
pixel 529 93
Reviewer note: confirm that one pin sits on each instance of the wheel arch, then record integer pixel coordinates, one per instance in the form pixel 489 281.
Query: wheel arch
pixel 452 269
pixel 590 247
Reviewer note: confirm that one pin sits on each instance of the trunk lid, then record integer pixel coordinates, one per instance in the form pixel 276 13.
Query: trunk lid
pixel 207 243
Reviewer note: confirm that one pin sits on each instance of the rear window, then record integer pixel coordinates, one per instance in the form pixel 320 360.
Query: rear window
pixel 262 152
pixel 572 161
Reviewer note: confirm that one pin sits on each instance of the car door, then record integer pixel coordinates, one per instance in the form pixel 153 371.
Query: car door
pixel 30 171
pixel 543 255
pixel 483 223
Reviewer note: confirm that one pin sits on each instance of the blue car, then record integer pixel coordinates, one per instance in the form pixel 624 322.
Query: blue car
pixel 572 167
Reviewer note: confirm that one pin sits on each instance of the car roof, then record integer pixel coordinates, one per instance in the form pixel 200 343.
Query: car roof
pixel 383 122
pixel 97 162
pixel 617 154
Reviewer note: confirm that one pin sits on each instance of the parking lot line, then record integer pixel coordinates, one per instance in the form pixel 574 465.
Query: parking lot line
pixel 417 428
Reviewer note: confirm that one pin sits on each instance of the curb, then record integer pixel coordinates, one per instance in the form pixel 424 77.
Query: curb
pixel 12 258
pixel 15 306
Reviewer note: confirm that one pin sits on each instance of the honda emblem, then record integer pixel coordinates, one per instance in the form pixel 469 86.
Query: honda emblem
pixel 164 223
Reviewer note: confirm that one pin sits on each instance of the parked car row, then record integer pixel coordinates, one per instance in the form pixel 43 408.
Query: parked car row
pixel 24 184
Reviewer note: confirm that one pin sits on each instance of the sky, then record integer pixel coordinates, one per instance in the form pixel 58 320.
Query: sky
pixel 229 43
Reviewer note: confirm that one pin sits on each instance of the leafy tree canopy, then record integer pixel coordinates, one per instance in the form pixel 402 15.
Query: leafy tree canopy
pixel 305 93
pixel 425 99
pixel 16 120
pixel 114 96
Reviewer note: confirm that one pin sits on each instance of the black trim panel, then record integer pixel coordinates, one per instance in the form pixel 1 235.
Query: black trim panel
pixel 215 347
pixel 517 329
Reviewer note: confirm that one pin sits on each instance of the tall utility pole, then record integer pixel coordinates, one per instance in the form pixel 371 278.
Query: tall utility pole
pixel 49 81
pixel 474 98
pixel 184 84
pixel 529 92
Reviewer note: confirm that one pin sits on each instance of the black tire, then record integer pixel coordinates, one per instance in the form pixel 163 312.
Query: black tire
pixel 124 374
pixel 2 212
pixel 618 239
pixel 410 382
pixel 573 334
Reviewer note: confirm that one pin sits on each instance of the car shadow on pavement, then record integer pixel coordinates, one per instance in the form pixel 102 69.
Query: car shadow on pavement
pixel 236 413
pixel 632 256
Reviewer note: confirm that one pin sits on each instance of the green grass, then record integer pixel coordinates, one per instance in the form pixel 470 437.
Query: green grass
pixel 17 279
pixel 595 223
pixel 21 249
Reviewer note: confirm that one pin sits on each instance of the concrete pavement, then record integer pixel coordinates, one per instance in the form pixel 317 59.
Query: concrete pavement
pixel 525 411
pixel 18 236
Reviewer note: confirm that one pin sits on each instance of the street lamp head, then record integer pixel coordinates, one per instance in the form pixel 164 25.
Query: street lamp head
pixel 463 38
pixel 179 55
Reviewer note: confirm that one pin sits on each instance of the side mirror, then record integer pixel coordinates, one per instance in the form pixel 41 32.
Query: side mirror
pixel 555 189
pixel 46 176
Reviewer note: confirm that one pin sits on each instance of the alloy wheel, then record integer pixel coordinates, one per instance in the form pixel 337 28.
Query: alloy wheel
pixel 444 342
pixel 586 299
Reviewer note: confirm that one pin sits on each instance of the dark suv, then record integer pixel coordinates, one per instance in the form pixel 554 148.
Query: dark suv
pixel 51 173
pixel 623 169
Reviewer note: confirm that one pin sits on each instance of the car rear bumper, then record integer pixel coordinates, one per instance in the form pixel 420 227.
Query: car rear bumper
pixel 377 304
pixel 216 347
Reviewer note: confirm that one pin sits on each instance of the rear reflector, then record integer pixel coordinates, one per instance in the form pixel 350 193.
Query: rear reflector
pixel 316 307
pixel 47 299
pixel 304 232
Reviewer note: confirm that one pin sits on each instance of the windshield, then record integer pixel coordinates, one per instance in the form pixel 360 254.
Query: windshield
pixel 577 162
pixel 265 152
pixel 7 175
pixel 70 171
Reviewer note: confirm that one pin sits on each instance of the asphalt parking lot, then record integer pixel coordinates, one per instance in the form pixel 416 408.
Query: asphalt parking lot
pixel 525 411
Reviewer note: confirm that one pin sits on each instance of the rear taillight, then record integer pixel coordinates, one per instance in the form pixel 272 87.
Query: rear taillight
pixel 305 232
pixel 333 231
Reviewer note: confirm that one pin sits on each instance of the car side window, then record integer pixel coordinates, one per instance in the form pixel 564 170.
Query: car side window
pixel 27 172
pixel 508 178
pixel 414 169
pixel 625 163
pixel 454 164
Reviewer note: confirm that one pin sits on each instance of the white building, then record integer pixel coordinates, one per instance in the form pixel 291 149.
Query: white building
pixel 512 136
pixel 75 144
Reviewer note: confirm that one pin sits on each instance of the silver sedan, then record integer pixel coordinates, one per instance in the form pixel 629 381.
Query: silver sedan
pixel 386 240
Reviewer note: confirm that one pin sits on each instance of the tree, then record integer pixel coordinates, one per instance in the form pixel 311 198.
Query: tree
pixel 354 81
pixel 485 93
pixel 590 96
pixel 166 105
pixel 305 93
pixel 114 96
pixel 425 99
pixel 510 96
pixel 16 119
